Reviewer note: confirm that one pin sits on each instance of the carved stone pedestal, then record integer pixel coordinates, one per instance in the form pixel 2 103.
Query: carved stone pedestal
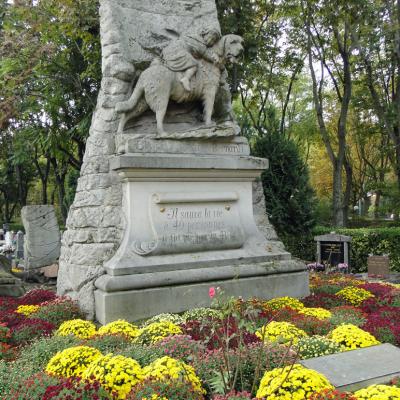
pixel 189 226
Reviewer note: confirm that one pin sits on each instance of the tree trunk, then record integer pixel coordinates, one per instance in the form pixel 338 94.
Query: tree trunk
pixel 348 190
pixel 337 196
pixel 59 174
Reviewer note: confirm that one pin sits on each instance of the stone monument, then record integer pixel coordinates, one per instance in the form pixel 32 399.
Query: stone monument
pixel 42 236
pixel 164 207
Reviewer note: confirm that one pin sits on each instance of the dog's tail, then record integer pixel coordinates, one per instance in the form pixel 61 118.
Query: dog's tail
pixel 130 104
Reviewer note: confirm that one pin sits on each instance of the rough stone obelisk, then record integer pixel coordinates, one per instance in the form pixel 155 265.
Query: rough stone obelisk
pixel 168 201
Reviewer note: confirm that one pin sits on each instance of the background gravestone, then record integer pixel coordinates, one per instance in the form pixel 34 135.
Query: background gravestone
pixel 19 251
pixel 9 284
pixel 333 249
pixel 378 265
pixel 42 236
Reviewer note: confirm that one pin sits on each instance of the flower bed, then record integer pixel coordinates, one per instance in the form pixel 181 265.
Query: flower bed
pixel 236 350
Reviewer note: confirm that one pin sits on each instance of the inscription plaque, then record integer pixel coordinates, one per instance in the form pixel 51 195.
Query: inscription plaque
pixel 192 222
pixel 332 253
pixel 378 265
pixel 236 146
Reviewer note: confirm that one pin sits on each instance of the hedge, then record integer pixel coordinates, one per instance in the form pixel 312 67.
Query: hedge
pixel 376 241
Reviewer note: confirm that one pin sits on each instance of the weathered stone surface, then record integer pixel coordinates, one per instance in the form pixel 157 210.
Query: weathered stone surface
pixel 353 370
pixel 42 238
pixel 132 32
pixel 5 264
pixel 19 251
pixel 138 304
pixel 9 284
pixel 51 271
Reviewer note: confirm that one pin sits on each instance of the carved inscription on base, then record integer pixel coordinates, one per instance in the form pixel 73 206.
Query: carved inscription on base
pixel 193 222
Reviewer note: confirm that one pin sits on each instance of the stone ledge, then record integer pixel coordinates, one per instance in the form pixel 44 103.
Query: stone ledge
pixel 110 283
pixel 160 161
pixel 134 305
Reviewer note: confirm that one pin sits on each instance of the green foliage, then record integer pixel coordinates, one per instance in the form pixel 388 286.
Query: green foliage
pixel 144 355
pixel 59 311
pixel 316 346
pixel 33 359
pixel 108 343
pixel 289 197
pixel 49 79
pixel 149 389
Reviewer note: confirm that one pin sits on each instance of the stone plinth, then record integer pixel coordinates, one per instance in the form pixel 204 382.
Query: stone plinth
pixel 190 225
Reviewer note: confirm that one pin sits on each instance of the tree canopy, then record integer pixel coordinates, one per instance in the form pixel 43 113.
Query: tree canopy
pixel 321 75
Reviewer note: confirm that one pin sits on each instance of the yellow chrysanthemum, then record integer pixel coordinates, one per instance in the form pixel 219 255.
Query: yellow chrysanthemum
pixel 292 382
pixel 27 310
pixel 72 361
pixel 381 392
pixel 354 295
pixel 115 373
pixel 281 302
pixel 120 327
pixel 169 369
pixel 77 327
pixel 282 332
pixel 352 337
pixel 316 312
pixel 157 331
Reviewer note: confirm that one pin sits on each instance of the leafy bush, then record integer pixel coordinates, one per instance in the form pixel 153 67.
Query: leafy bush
pixel 31 387
pixel 158 390
pixel 31 329
pixel 181 347
pixel 37 296
pixel 34 358
pixel 323 300
pixel 316 346
pixel 347 315
pixel 45 387
pixel 144 355
pixel 289 196
pixel 75 388
pixel 108 343
pixel 59 310
pixel 249 362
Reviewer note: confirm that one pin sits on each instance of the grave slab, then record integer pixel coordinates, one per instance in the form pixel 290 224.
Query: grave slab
pixel 356 369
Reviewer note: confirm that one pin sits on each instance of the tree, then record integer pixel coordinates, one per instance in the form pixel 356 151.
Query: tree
pixel 49 80
pixel 378 45
pixel 329 30
pixel 289 198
